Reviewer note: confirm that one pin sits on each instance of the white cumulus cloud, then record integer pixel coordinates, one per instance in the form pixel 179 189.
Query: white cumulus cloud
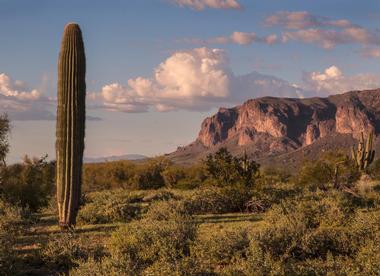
pixel 333 81
pixel 16 89
pixel 197 79
pixel 22 103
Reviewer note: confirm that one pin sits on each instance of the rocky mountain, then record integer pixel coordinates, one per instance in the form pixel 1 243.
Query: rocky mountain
pixel 278 130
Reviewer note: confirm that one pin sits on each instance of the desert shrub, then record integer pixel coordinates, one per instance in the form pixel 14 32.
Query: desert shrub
pixel 374 170
pixel 111 206
pixel 4 131
pixel 167 210
pixel 101 267
pixel 162 238
pixel 195 175
pixel 10 221
pixel 108 175
pixel 63 250
pixel 29 184
pixel 159 195
pixel 272 176
pixel 126 174
pixel 320 174
pixel 265 196
pixel 172 175
pixel 149 174
pixel 312 235
pixel 367 259
pixel 224 169
pixel 217 200
pixel 221 248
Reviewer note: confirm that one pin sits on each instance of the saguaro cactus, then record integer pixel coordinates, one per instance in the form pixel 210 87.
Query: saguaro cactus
pixel 70 124
pixel 364 155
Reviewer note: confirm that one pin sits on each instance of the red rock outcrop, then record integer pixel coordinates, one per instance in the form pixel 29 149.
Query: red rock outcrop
pixel 270 126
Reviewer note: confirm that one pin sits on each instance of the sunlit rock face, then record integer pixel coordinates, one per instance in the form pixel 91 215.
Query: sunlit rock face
pixel 281 122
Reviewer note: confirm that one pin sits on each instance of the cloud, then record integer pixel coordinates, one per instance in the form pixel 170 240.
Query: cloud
pixel 22 103
pixel 197 79
pixel 240 38
pixel 243 38
pixel 370 52
pixel 213 4
pixel 333 81
pixel 303 19
pixel 322 31
pixel 303 27
pixel 328 39
pixel 16 89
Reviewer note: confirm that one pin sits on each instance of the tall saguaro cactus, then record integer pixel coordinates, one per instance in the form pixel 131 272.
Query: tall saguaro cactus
pixel 364 154
pixel 70 124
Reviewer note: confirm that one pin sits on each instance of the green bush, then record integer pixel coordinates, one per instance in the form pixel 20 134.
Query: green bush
pixel 149 174
pixel 29 184
pixel 220 249
pixel 164 236
pixel 172 175
pixel 266 196
pixel 320 174
pixel 273 176
pixel 224 169
pixel 111 206
pixel 312 235
pixel 368 256
pixel 217 200
pixel 374 170
pixel 159 195
pixel 10 226
pixel 108 175
pixel 92 267
pixel 63 250
pixel 168 210
pixel 4 143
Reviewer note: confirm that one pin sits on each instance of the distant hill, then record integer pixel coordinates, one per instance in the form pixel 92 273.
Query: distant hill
pixel 285 131
pixel 131 157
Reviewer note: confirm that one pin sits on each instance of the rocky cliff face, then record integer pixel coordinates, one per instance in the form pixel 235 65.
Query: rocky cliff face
pixel 270 126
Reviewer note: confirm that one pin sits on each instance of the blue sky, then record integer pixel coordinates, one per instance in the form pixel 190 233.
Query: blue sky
pixel 156 68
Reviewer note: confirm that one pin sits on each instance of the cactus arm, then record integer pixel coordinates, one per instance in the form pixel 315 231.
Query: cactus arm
pixel 364 155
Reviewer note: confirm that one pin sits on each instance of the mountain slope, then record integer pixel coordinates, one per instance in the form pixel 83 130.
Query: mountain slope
pixel 277 130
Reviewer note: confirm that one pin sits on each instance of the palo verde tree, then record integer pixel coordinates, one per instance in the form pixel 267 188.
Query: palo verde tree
pixel 225 169
pixel 70 124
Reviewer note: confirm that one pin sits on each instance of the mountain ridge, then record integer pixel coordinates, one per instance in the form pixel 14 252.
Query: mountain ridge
pixel 269 127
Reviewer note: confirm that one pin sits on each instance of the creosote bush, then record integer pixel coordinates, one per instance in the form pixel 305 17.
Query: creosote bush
pixel 63 251
pixel 10 227
pixel 162 239
pixel 321 174
pixel 220 249
pixel 111 206
pixel 217 200
pixel 310 235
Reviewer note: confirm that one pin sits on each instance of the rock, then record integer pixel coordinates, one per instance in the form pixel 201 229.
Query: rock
pixel 272 126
